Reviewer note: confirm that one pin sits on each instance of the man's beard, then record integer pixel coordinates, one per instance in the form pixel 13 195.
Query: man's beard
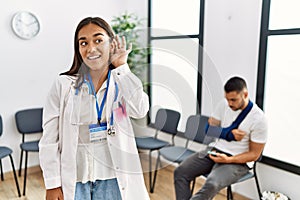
pixel 240 107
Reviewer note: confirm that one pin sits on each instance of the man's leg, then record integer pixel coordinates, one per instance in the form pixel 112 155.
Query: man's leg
pixel 220 176
pixel 196 165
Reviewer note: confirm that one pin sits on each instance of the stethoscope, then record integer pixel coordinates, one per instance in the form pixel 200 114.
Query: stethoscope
pixel 111 129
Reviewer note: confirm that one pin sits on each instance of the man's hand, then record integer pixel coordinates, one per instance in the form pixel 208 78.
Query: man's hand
pixel 54 194
pixel 238 134
pixel 220 158
pixel 255 150
pixel 214 122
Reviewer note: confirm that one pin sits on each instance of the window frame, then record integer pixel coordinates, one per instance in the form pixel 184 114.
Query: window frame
pixel 265 32
pixel 199 36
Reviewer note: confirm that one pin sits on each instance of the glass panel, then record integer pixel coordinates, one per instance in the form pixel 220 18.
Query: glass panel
pixel 171 17
pixel 282 98
pixel 174 76
pixel 284 14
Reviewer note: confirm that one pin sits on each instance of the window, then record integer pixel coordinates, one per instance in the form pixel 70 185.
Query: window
pixel 175 36
pixel 171 17
pixel 278 82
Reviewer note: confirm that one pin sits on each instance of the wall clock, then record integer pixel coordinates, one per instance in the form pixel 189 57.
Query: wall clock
pixel 25 25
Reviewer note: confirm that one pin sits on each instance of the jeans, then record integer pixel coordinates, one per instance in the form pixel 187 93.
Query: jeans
pixel 98 190
pixel 220 176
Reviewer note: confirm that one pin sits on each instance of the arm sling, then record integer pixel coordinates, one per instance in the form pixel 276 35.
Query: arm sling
pixel 225 133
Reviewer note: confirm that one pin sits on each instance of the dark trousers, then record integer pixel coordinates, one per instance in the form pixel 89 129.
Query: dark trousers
pixel 220 176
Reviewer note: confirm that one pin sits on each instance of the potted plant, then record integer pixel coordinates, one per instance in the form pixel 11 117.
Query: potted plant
pixel 130 26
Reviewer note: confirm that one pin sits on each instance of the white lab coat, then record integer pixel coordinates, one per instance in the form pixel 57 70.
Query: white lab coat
pixel 58 145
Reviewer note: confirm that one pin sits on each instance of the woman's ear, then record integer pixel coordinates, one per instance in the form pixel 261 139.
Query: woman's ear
pixel 112 47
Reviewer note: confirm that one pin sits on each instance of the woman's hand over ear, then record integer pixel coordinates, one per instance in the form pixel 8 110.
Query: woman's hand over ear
pixel 119 52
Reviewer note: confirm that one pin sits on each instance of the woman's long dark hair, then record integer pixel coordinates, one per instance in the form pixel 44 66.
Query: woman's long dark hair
pixel 78 67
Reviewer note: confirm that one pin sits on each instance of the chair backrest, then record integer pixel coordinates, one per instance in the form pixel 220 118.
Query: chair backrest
pixel 192 127
pixel 1 129
pixel 29 120
pixel 195 129
pixel 167 120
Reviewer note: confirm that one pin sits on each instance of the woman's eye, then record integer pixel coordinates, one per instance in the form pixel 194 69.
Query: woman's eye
pixel 98 41
pixel 83 43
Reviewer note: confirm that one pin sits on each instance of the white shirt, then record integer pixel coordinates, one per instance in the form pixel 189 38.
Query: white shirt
pixel 93 158
pixel 254 124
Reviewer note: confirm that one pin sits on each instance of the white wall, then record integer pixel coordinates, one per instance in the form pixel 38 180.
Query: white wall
pixel 29 67
pixel 231 41
pixel 231 38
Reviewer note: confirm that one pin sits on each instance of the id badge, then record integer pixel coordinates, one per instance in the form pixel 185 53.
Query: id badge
pixel 97 132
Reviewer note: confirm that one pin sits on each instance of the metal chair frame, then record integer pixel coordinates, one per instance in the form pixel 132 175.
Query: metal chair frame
pixel 28 121
pixel 195 131
pixel 246 177
pixel 8 153
pixel 250 175
pixel 166 121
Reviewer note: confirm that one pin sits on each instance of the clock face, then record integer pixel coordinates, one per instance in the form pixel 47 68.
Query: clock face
pixel 25 25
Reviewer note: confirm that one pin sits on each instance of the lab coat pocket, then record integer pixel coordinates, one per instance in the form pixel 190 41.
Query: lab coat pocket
pixel 119 110
pixel 121 118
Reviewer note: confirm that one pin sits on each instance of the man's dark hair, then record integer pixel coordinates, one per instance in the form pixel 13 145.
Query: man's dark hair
pixel 235 84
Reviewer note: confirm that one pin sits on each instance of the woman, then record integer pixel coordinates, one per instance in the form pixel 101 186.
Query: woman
pixel 88 149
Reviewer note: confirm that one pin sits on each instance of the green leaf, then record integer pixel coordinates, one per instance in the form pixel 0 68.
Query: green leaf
pixel 129 24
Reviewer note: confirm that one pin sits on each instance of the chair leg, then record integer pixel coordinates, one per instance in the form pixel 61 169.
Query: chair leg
pixel 21 159
pixel 2 176
pixel 150 170
pixel 229 193
pixel 25 172
pixel 160 164
pixel 155 172
pixel 193 186
pixel 15 175
pixel 257 184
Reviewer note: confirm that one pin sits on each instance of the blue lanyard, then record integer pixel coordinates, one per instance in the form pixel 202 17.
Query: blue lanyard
pixel 112 113
pixel 99 110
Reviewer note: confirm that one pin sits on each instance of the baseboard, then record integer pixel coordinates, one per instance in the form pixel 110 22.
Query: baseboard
pixel 30 170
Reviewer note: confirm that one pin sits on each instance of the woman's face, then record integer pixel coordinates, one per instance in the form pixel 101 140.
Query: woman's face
pixel 94 46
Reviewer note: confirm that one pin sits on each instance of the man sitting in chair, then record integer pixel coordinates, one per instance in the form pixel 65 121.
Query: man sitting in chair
pixel 241 130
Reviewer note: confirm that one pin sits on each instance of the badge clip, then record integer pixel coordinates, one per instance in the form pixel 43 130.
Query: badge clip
pixel 111 131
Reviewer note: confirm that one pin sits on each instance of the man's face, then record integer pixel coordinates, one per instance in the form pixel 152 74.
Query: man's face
pixel 236 100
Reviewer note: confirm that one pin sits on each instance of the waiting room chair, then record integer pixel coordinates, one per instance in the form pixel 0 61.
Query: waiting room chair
pixel 165 121
pixel 194 131
pixel 5 151
pixel 28 121
pixel 249 175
